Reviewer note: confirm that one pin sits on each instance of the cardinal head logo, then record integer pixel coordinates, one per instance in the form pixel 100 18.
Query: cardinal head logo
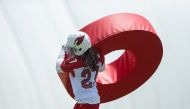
pixel 79 40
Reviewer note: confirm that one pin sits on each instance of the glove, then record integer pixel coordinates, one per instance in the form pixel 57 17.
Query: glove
pixel 66 66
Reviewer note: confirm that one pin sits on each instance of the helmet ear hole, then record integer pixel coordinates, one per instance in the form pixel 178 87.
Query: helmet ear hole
pixel 80 49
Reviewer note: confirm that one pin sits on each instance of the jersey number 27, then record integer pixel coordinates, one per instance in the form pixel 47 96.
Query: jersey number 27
pixel 87 74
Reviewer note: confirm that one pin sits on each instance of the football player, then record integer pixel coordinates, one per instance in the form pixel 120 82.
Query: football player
pixel 82 62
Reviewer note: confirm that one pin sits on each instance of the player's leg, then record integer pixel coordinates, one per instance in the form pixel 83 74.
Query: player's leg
pixel 76 106
pixel 92 106
pixel 86 106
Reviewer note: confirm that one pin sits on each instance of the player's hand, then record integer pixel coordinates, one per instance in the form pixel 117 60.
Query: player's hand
pixel 66 66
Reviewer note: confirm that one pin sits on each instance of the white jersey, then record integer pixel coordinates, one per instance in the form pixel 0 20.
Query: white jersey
pixel 83 83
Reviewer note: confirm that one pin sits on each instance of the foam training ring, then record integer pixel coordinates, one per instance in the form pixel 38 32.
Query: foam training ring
pixel 142 56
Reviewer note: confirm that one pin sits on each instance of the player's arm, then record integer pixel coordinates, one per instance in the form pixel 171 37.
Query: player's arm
pixel 60 60
pixel 102 63
pixel 62 65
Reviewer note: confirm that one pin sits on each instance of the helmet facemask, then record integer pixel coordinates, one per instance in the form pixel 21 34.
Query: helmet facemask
pixel 71 51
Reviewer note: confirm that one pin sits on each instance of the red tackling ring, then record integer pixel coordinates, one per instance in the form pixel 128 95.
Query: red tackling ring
pixel 143 53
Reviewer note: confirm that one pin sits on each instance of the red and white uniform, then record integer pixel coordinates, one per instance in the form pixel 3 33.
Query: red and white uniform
pixel 83 80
